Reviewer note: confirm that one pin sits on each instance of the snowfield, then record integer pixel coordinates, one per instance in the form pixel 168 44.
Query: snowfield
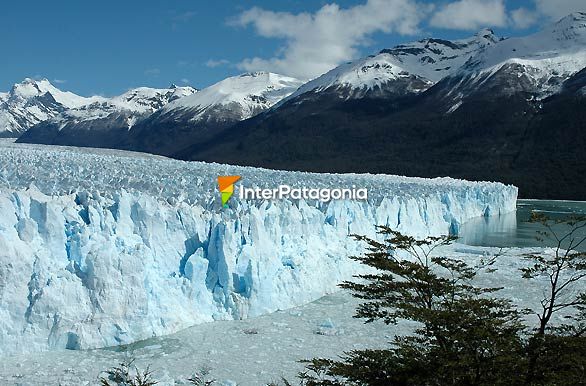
pixel 101 248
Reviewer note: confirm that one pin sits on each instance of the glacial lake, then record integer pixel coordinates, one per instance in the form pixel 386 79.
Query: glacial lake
pixel 514 230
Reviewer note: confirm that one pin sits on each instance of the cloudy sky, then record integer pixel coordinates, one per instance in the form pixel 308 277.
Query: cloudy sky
pixel 110 46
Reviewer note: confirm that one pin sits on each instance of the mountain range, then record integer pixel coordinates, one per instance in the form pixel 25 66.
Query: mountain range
pixel 31 102
pixel 485 107
pixel 514 111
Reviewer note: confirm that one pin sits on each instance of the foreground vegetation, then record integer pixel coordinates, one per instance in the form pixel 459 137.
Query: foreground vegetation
pixel 467 335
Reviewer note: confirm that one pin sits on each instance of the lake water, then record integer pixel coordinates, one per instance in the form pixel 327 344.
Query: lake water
pixel 514 230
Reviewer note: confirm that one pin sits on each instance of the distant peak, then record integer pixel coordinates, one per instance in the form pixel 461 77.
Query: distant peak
pixel 570 27
pixel 483 37
pixel 254 74
pixel 575 16
pixel 573 19
pixel 485 32
pixel 29 87
pixel 34 81
pixel 173 86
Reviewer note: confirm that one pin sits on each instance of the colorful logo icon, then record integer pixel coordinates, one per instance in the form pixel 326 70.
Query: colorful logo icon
pixel 226 186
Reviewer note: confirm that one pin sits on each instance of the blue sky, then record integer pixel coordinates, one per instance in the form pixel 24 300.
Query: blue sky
pixel 110 46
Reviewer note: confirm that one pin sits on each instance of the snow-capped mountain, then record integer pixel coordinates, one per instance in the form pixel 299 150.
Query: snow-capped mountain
pixel 105 122
pixel 164 121
pixel 562 43
pixel 128 107
pixel 233 99
pixel 406 68
pixel 195 118
pixel 33 101
pixel 538 64
pixel 147 100
pixel 37 102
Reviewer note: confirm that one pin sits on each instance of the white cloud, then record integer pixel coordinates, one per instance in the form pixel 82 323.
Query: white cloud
pixel 59 81
pixel 212 63
pixel 523 18
pixel 317 42
pixel 185 81
pixel 470 15
pixel 556 9
pixel 553 10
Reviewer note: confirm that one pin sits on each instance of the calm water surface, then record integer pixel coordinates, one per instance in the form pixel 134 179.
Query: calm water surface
pixel 513 230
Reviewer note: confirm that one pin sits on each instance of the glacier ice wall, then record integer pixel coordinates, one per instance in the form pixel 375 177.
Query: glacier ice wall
pixel 101 248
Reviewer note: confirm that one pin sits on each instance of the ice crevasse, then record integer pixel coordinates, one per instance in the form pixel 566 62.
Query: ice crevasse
pixel 102 248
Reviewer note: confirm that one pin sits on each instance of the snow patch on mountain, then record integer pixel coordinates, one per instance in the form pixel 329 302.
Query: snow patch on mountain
pixel 245 95
pixel 148 100
pixel 100 247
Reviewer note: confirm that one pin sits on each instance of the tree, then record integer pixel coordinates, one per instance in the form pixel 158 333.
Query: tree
pixel 202 378
pixel 466 336
pixel 564 270
pixel 125 375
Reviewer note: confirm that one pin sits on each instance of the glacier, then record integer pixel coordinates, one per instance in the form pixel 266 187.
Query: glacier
pixel 102 247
